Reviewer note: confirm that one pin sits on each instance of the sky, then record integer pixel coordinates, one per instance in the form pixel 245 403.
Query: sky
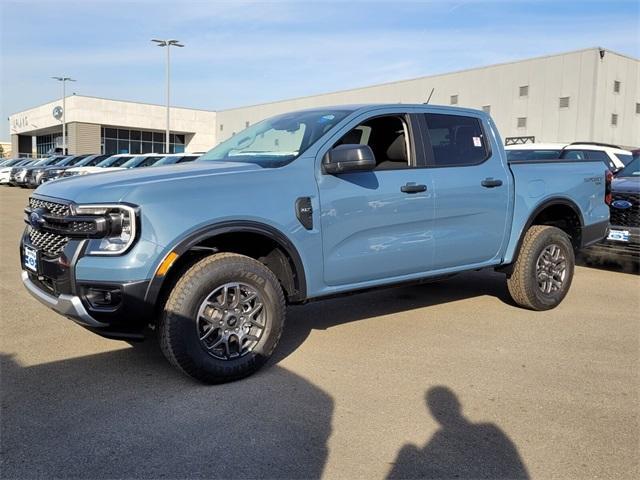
pixel 246 52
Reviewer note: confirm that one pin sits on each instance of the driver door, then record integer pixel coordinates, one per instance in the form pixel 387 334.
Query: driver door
pixel 378 224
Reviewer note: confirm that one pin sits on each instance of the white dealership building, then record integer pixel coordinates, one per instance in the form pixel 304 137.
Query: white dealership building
pixel 585 95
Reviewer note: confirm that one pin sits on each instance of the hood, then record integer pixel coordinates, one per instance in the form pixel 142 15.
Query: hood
pixel 626 185
pixel 113 186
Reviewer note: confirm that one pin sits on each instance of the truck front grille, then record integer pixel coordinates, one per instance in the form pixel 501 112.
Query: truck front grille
pixel 50 244
pixel 59 209
pixel 629 217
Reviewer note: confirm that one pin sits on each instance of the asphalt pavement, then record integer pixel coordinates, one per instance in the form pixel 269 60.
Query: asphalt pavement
pixel 442 380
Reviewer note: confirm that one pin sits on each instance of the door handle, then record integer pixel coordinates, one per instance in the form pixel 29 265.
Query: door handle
pixel 413 188
pixel 491 183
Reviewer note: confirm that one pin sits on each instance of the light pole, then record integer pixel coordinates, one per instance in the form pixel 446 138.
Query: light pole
pixel 168 44
pixel 64 80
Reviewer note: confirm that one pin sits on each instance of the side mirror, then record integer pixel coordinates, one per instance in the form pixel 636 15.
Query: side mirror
pixel 349 158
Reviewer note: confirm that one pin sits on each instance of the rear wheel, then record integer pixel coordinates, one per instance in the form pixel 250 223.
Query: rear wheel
pixel 223 319
pixel 544 268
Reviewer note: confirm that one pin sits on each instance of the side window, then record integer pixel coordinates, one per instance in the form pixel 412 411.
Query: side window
pixel 388 138
pixel 573 155
pixel 456 140
pixel 186 159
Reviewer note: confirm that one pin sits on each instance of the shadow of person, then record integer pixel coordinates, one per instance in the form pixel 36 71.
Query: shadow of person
pixel 460 449
pixel 128 414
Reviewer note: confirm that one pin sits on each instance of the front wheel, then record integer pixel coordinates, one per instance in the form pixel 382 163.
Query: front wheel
pixel 544 268
pixel 223 319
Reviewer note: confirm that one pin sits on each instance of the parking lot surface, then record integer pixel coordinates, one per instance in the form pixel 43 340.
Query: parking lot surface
pixel 448 379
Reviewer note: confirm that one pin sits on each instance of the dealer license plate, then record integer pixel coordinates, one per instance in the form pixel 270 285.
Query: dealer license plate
pixel 31 258
pixel 618 235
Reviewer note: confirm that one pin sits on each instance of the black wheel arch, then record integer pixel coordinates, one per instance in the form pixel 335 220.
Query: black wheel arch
pixel 546 205
pixel 285 256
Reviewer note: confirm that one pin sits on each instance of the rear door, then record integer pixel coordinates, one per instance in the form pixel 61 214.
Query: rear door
pixel 472 190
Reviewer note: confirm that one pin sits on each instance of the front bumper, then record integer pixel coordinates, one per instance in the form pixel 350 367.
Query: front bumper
pixel 628 250
pixel 68 305
pixel 127 314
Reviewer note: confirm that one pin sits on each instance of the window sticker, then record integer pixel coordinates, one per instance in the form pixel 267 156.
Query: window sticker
pixel 477 142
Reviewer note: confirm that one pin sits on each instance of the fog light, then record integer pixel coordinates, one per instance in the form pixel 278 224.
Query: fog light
pixel 103 297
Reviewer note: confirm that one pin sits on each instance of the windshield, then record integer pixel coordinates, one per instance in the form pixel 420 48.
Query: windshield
pixel 631 170
pixel 624 157
pixel 278 140
pixel 114 161
pixel 542 154
pixel 140 161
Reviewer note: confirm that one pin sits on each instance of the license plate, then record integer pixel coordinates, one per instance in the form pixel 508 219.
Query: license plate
pixel 618 235
pixel 31 258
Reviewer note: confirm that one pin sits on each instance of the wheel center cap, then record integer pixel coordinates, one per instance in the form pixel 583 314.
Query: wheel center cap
pixel 232 320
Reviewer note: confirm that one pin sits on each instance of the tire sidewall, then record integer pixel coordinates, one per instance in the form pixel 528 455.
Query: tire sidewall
pixel 193 289
pixel 550 236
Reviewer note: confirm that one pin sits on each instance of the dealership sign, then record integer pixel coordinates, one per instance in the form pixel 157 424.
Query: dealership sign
pixel 19 122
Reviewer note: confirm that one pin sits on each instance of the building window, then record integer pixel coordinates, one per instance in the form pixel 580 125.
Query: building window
pixel 139 141
pixel 246 124
pixel 564 102
pixel 637 107
pixel 614 119
pixel 221 127
pixel 454 100
pixel 486 108
pixel 524 91
pixel 616 86
pixel 522 122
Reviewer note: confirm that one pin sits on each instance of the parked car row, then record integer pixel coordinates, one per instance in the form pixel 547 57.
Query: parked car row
pixel 623 234
pixel 30 173
pixel 614 157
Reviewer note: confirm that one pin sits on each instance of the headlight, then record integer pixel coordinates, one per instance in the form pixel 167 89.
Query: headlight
pixel 121 227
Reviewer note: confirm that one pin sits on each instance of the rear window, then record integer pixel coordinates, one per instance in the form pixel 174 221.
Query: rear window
pixel 542 154
pixel 456 140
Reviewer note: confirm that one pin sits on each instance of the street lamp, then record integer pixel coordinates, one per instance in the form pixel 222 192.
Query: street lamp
pixel 64 80
pixel 168 44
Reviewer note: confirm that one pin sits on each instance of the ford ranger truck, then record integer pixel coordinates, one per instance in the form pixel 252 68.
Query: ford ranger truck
pixel 299 207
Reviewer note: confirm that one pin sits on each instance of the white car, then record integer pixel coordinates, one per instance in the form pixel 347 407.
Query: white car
pixel 5 170
pixel 615 158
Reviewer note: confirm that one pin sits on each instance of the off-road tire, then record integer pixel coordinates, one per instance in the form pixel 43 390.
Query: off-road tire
pixel 523 284
pixel 177 327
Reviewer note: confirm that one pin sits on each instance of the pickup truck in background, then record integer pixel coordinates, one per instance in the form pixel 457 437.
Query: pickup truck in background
pixel 299 207
pixel 623 235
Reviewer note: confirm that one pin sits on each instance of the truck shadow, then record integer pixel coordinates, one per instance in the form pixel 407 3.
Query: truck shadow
pixel 127 414
pixel 324 314
pixel 608 262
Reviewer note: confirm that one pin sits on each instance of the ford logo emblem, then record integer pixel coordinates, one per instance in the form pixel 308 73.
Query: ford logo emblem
pixel 36 220
pixel 622 204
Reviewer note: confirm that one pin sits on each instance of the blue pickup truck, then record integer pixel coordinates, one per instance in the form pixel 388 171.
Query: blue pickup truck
pixel 299 207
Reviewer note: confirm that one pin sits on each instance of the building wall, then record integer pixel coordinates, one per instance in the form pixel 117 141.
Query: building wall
pixel 199 125
pixel 577 75
pixel 83 138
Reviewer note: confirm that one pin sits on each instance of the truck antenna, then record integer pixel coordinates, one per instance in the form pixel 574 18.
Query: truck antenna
pixel 428 99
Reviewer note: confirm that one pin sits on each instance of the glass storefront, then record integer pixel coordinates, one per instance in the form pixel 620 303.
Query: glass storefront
pixel 119 140
pixel 45 144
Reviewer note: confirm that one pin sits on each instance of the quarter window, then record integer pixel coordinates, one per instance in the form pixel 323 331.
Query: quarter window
pixel 456 140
